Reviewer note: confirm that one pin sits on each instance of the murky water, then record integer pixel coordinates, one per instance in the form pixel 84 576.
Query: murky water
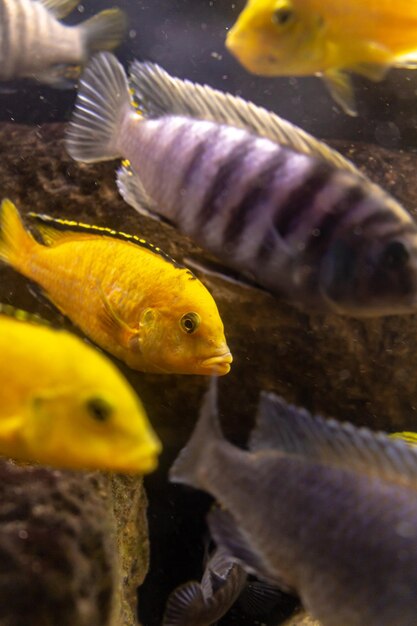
pixel 360 371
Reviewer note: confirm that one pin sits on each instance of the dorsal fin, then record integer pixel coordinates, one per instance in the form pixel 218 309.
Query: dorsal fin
pixel 158 94
pixel 295 431
pixel 59 8
pixel 55 229
pixel 22 316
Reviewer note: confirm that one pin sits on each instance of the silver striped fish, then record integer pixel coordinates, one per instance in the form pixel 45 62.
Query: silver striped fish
pixel 35 44
pixel 264 196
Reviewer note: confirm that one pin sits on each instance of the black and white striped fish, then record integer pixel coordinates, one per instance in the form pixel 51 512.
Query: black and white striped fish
pixel 35 44
pixel 261 194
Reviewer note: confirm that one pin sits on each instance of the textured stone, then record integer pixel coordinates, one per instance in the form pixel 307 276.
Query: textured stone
pixel 59 564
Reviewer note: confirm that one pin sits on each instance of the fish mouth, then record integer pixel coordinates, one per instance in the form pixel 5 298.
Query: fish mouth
pixel 218 365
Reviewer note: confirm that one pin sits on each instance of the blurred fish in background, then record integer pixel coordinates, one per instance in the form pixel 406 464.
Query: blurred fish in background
pixel 36 45
pixel 64 404
pixel 223 583
pixel 268 199
pixel 327 39
pixel 332 514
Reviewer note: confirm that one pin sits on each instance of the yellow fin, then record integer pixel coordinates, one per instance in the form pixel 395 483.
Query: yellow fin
pixel 407 436
pixel 341 90
pixel 15 240
pixel 115 326
pixel 59 8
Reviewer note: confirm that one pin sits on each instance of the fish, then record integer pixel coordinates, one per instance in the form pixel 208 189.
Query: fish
pixel 223 583
pixel 332 515
pixel 266 198
pixel 325 39
pixel 202 604
pixel 64 404
pixel 37 45
pixel 124 293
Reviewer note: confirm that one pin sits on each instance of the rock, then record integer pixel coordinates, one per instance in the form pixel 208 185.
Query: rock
pixel 301 619
pixel 59 563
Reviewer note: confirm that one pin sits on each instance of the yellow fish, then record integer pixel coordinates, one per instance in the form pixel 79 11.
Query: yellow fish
pixel 124 293
pixel 326 38
pixel 63 403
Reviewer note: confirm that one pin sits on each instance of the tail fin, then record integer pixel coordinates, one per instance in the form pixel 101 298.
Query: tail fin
pixel 197 451
pixel 103 101
pixel 15 241
pixel 104 31
pixel 184 603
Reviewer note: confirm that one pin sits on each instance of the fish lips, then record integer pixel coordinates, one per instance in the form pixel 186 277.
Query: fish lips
pixel 218 365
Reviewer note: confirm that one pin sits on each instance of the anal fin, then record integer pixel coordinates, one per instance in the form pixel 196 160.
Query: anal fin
pixel 340 87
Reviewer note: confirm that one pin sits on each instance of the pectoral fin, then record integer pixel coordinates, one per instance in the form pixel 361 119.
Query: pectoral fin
pixel 112 323
pixel 341 90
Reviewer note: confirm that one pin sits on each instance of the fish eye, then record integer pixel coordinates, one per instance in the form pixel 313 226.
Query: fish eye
pixel 395 255
pixel 190 322
pixel 99 409
pixel 283 14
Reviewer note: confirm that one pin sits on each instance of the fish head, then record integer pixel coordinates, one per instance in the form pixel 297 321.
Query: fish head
pixel 185 335
pixel 373 276
pixel 278 38
pixel 95 422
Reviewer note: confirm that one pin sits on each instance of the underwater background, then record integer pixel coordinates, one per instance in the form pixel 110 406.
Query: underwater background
pixel 361 371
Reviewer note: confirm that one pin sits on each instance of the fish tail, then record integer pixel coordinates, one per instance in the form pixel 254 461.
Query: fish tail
pixel 104 31
pixel 15 240
pixel 182 603
pixel 192 459
pixel 103 102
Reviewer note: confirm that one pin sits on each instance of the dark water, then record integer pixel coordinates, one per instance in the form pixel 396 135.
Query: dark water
pixel 187 38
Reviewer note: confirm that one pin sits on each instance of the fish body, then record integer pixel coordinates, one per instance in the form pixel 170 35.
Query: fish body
pixel 35 44
pixel 332 515
pixel 306 37
pixel 202 604
pixel 130 298
pixel 62 403
pixel 266 198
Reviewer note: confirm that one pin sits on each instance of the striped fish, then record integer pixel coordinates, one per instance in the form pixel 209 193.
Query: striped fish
pixel 35 44
pixel 265 197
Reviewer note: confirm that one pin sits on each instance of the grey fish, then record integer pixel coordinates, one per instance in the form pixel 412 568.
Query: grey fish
pixel 223 582
pixel 265 197
pixel 35 44
pixel 322 508
pixel 202 604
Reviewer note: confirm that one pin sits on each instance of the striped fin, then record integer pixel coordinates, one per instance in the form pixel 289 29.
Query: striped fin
pixel 57 229
pixel 22 316
pixel 295 431
pixel 157 94
pixel 59 8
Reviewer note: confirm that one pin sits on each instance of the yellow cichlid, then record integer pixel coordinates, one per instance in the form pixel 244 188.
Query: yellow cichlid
pixel 125 294
pixel 326 38
pixel 63 403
